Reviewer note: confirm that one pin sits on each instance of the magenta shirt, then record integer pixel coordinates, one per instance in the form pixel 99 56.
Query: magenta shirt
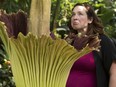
pixel 83 73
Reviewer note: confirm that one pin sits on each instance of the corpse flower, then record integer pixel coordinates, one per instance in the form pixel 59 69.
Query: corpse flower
pixel 39 61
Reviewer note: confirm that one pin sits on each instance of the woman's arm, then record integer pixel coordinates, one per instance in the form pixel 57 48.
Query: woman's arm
pixel 112 81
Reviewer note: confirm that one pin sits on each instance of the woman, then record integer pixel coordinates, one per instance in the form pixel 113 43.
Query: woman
pixel 98 68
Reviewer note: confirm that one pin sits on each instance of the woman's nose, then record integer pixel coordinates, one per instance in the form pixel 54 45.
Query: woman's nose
pixel 75 16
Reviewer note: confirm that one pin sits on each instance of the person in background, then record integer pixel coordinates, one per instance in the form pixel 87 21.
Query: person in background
pixel 97 68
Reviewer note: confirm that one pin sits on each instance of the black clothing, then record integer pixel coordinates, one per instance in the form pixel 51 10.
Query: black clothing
pixel 104 60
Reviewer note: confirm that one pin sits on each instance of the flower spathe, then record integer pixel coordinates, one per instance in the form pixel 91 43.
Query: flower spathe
pixel 40 61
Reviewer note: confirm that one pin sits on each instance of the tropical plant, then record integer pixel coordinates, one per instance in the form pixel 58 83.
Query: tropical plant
pixel 14 5
pixel 37 60
pixel 15 23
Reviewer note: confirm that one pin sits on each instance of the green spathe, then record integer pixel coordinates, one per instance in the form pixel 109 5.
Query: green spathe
pixel 40 61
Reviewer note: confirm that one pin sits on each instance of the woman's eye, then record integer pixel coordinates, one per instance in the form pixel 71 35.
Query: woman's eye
pixel 73 14
pixel 80 14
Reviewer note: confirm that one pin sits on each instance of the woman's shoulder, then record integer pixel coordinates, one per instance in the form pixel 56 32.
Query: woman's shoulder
pixel 107 50
pixel 107 46
pixel 104 37
pixel 105 40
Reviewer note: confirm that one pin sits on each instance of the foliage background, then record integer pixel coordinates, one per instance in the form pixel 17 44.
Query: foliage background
pixel 60 14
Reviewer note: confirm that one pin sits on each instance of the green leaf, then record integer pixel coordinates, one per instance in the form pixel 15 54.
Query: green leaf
pixel 107 15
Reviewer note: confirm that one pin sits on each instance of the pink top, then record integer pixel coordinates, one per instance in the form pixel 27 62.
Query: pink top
pixel 83 73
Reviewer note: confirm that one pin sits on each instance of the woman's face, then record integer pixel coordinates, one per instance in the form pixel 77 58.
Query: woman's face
pixel 79 19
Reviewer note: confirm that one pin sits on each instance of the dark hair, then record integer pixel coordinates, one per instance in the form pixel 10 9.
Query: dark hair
pixel 96 25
